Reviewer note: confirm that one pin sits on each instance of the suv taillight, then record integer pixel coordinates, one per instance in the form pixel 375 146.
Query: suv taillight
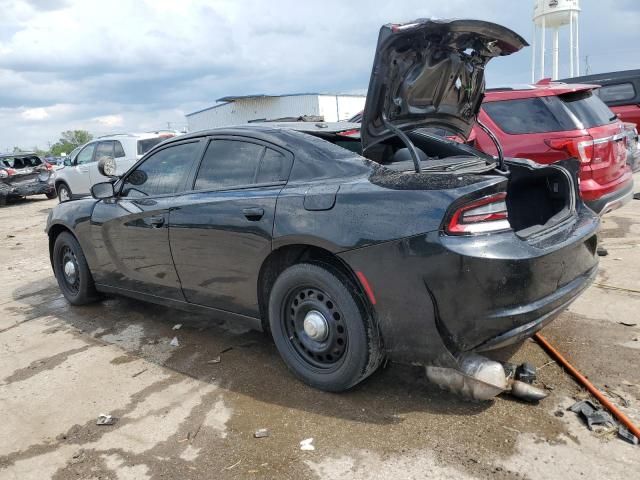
pixel 577 147
pixel 486 215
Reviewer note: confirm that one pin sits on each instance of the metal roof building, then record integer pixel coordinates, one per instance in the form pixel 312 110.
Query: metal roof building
pixel 235 110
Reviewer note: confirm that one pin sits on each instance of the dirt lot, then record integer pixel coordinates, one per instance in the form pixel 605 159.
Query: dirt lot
pixel 182 416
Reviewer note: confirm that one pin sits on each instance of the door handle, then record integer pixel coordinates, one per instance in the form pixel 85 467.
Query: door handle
pixel 156 221
pixel 253 214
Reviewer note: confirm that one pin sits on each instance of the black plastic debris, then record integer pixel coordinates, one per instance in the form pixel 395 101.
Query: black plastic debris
pixel 602 252
pixel 592 414
pixel 636 196
pixel 627 436
pixel 526 373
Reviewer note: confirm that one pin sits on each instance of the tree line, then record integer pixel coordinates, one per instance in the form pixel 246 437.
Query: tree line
pixel 69 140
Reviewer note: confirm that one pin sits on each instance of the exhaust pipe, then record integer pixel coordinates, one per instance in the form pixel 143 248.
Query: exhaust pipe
pixel 481 379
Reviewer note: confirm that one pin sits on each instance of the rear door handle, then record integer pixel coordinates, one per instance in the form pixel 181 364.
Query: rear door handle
pixel 156 221
pixel 254 214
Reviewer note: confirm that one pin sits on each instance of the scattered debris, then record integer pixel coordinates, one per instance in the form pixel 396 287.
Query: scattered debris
pixel 139 373
pixel 226 350
pixel 628 324
pixel 626 435
pixel 547 364
pixel 261 433
pixel 592 415
pixel 636 196
pixel 174 342
pixel 559 413
pixel 104 419
pixel 526 373
pixel 10 236
pixel 215 360
pixel 307 444
pixel 233 466
pixel 177 326
pixel 602 252
pixel 615 393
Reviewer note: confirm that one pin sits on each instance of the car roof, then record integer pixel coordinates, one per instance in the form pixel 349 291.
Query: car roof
pixel 545 89
pixel 136 136
pixel 607 77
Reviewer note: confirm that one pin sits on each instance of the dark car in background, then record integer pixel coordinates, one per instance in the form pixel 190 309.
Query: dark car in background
pixel 619 90
pixel 23 174
pixel 552 121
pixel 347 248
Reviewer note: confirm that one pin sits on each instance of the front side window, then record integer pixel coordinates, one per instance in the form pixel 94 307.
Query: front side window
pixel 162 173
pixel 86 154
pixel 227 164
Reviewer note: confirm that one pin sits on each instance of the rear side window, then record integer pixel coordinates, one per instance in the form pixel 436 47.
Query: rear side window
pixel 228 163
pixel 164 172
pixel 118 150
pixel 104 149
pixel 617 93
pixel 588 108
pixel 528 115
pixel 274 167
pixel 147 144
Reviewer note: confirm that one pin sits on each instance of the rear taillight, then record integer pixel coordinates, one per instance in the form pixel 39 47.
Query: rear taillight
pixel 48 166
pixel 7 172
pixel 577 147
pixel 488 214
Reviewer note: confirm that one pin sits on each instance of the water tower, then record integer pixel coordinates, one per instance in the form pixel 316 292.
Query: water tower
pixel 552 15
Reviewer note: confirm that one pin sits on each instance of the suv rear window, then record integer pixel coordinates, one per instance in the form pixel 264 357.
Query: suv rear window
pixel 569 111
pixel 148 143
pixel 617 93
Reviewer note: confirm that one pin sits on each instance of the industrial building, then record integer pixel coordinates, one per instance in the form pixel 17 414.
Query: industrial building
pixel 235 110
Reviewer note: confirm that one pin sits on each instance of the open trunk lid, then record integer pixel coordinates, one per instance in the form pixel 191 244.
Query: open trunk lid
pixel 431 73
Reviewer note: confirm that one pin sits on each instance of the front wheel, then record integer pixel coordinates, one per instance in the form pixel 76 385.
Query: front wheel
pixel 321 329
pixel 71 271
pixel 51 195
pixel 64 193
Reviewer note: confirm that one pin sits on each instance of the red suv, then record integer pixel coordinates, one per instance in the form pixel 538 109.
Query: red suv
pixel 552 121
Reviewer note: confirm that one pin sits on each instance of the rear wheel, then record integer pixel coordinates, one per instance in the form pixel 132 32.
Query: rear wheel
pixel 64 192
pixel 323 333
pixel 71 271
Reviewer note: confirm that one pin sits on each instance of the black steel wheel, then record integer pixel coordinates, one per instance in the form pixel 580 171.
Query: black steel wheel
pixel 322 331
pixel 71 270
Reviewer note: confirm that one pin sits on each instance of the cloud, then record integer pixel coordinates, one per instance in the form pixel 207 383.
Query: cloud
pixel 35 114
pixel 138 65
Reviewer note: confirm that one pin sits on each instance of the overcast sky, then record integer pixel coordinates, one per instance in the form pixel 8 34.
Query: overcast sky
pixel 122 65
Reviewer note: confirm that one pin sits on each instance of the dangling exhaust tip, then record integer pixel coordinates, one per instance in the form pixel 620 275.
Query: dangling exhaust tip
pixel 478 378
pixel 527 392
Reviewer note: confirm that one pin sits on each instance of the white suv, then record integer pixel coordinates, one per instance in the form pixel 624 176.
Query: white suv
pixel 80 169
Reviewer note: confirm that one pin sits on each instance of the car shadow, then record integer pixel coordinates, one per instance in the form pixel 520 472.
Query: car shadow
pixel 237 359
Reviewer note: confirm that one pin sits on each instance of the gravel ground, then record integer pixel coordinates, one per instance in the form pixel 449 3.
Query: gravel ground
pixel 182 415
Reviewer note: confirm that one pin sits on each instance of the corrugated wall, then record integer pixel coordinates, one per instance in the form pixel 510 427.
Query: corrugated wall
pixel 245 110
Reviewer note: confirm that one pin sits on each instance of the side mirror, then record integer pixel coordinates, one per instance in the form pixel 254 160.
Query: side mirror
pixel 107 166
pixel 102 190
pixel 67 162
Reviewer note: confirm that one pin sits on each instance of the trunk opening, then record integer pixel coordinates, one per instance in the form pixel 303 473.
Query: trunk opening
pixel 537 199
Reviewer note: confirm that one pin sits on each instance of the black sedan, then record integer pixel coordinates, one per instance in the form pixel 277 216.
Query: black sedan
pixel 347 248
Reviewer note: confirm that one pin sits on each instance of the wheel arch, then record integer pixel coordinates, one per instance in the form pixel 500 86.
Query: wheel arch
pixel 54 232
pixel 285 256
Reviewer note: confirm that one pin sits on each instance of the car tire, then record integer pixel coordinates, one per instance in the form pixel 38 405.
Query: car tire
pixel 51 195
pixel 72 271
pixel 321 328
pixel 63 192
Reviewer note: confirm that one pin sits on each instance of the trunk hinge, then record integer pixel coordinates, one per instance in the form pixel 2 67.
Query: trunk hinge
pixel 406 140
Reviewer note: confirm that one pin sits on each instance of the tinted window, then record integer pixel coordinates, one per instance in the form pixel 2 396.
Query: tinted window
pixel 273 168
pixel 617 93
pixel 528 115
pixel 228 163
pixel 118 150
pixel 145 145
pixel 588 108
pixel 104 149
pixel 162 173
pixel 86 154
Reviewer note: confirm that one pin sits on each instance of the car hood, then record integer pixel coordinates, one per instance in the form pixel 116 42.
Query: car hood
pixel 431 73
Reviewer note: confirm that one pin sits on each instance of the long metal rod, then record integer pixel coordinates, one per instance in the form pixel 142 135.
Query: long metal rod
pixel 496 142
pixel 588 385
pixel 413 151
